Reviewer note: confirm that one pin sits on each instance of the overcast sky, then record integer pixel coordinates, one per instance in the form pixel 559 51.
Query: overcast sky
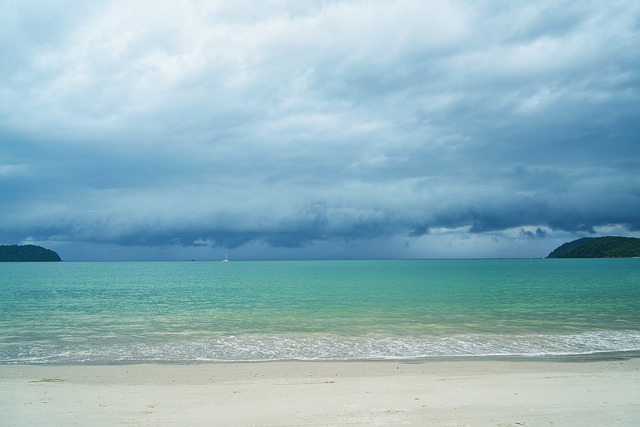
pixel 317 129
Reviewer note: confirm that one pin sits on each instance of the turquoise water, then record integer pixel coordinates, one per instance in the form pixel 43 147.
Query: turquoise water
pixel 190 312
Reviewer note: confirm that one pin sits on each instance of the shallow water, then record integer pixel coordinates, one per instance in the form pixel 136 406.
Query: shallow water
pixel 189 312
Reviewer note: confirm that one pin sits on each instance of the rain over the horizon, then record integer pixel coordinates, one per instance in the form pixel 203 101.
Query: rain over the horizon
pixel 136 130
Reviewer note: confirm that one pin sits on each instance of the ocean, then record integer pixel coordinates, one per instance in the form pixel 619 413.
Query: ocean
pixel 253 311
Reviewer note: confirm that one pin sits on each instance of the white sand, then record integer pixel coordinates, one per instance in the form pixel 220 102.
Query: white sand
pixel 451 393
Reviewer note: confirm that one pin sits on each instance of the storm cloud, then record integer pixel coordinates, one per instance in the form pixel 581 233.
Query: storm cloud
pixel 144 130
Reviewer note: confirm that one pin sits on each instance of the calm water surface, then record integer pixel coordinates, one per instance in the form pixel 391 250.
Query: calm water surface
pixel 190 312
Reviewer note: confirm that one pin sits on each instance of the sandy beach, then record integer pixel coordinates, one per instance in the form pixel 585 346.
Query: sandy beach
pixel 436 393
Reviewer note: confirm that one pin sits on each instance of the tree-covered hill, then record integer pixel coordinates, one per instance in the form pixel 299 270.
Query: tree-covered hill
pixel 27 253
pixel 599 247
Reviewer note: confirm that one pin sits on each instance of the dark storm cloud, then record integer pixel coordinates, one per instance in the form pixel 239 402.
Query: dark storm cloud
pixel 209 124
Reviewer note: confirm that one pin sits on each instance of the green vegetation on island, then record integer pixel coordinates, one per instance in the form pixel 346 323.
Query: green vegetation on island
pixel 27 253
pixel 599 247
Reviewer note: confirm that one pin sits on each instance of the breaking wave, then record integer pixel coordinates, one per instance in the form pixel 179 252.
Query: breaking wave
pixel 263 348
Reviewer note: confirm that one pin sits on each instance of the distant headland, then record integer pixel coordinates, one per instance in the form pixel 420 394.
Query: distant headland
pixel 599 247
pixel 27 253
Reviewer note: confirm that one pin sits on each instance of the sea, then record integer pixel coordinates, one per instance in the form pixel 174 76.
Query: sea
pixel 258 311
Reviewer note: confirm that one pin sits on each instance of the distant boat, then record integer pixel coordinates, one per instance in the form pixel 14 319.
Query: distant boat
pixel 226 258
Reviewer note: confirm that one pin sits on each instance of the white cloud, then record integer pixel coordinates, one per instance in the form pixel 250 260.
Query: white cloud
pixel 327 124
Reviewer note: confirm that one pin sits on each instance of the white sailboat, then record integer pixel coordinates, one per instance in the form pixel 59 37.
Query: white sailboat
pixel 226 258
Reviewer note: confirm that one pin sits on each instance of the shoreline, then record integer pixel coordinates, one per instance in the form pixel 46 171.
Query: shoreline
pixel 560 357
pixel 477 392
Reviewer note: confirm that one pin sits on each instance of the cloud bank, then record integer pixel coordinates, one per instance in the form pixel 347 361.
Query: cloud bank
pixel 318 129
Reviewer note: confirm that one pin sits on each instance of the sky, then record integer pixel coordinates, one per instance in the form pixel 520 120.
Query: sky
pixel 281 129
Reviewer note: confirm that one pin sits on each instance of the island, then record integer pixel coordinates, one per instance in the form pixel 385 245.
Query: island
pixel 599 247
pixel 27 253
